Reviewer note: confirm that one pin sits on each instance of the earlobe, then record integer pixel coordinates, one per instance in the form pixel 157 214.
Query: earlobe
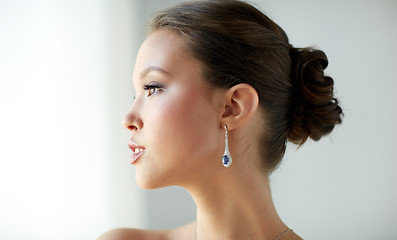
pixel 241 103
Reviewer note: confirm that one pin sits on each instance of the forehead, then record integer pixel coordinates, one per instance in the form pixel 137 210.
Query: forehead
pixel 163 49
pixel 165 40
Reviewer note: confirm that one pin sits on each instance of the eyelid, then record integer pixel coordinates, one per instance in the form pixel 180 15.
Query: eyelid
pixel 153 85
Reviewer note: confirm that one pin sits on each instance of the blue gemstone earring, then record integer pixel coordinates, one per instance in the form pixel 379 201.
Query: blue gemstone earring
pixel 227 158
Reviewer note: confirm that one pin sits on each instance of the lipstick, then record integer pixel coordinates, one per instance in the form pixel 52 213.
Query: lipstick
pixel 137 151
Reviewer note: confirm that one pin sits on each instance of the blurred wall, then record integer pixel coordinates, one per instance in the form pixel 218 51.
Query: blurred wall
pixel 65 73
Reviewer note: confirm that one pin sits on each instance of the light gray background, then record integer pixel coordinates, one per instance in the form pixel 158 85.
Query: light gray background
pixel 65 84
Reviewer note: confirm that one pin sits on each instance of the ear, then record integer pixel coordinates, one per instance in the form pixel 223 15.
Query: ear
pixel 241 102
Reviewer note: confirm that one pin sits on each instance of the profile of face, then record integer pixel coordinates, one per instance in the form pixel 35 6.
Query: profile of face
pixel 175 115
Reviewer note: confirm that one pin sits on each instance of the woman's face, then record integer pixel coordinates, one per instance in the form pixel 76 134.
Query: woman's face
pixel 174 117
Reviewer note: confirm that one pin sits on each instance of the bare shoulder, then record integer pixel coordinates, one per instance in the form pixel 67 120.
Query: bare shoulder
pixel 185 232
pixel 133 234
pixel 181 233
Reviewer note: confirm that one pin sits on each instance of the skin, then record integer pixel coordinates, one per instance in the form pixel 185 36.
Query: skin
pixel 180 124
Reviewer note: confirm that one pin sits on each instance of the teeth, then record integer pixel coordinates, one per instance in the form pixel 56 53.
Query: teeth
pixel 137 150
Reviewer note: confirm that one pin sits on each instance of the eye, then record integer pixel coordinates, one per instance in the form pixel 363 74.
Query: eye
pixel 153 88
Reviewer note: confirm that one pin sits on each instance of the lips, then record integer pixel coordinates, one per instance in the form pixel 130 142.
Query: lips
pixel 137 151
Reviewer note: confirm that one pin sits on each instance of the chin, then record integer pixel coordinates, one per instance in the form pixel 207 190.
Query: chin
pixel 149 183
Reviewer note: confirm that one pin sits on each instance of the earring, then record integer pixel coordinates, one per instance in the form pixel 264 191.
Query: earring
pixel 227 158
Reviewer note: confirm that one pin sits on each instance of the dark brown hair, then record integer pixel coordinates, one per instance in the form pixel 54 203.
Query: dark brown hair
pixel 237 43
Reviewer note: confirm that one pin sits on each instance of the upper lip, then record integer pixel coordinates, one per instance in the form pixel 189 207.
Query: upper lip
pixel 135 147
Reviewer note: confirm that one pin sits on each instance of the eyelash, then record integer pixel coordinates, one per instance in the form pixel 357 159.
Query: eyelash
pixel 152 88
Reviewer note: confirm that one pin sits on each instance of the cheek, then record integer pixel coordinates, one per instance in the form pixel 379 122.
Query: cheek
pixel 184 125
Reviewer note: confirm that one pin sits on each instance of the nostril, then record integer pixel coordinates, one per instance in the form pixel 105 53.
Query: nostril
pixel 132 128
pixel 132 120
pixel 132 123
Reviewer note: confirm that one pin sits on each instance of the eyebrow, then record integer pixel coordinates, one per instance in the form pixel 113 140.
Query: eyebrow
pixel 147 70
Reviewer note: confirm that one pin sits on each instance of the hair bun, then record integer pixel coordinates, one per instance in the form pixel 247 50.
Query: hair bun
pixel 314 110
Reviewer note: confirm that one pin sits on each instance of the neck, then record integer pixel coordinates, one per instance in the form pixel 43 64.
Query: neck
pixel 236 204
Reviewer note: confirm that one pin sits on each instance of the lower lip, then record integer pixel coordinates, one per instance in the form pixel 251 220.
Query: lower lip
pixel 135 156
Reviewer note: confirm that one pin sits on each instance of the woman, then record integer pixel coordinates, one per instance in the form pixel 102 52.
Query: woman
pixel 219 91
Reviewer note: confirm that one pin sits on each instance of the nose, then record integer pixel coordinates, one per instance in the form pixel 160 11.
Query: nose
pixel 132 120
